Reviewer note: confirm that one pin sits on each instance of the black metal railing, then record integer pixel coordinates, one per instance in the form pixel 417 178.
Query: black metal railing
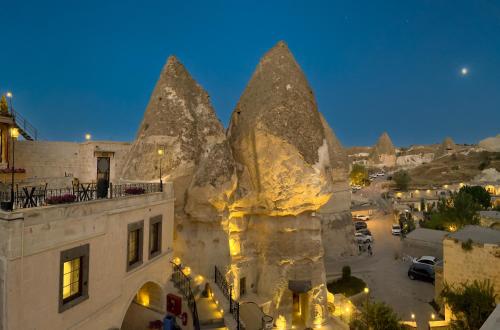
pixel 183 283
pixel 36 196
pixel 227 291
pixel 28 131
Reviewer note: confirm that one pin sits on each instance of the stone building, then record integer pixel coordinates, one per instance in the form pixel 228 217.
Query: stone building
pixel 472 253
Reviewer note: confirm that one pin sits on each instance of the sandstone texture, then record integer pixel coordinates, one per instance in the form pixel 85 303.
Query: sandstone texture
pixel 180 120
pixel 290 166
pixel 383 153
pixel 447 147
pixel 259 201
pixel 491 144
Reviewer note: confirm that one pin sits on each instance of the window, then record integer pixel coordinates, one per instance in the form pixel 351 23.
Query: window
pixel 74 273
pixel 155 236
pixel 134 244
pixel 243 286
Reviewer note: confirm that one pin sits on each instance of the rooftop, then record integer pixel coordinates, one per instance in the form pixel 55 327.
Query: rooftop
pixel 477 234
pixel 427 235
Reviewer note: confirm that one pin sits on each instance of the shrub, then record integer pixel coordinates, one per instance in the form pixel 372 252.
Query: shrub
pixel 402 179
pixel 467 246
pixel 134 191
pixel 63 199
pixel 346 272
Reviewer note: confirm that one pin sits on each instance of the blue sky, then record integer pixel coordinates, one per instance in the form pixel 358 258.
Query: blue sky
pixel 90 66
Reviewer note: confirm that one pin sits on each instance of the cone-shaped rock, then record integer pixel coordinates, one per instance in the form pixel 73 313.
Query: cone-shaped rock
pixel 447 147
pixel 383 153
pixel 287 159
pixel 276 133
pixel 180 120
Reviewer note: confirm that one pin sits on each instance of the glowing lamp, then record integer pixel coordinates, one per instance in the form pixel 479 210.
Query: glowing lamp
pixel 8 94
pixel 88 136
pixel 14 132
pixel 366 290
pixel 160 152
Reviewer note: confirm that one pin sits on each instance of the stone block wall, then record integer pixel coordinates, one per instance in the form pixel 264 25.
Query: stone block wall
pixel 57 163
pixel 480 263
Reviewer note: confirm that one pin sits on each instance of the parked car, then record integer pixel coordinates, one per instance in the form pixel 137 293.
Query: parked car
pixel 362 238
pixel 422 272
pixel 360 225
pixel 396 229
pixel 362 217
pixel 427 260
pixel 364 231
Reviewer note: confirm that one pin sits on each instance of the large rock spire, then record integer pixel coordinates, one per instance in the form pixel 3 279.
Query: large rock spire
pixel 276 132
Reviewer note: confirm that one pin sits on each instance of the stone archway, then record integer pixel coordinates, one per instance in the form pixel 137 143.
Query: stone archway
pixel 146 306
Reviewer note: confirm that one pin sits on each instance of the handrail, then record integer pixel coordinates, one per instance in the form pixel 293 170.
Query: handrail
pixel 227 291
pixel 36 196
pixel 183 283
pixel 26 126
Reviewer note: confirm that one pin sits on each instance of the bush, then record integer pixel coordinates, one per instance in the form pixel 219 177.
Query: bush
pixel 63 199
pixel 346 272
pixel 347 286
pixel 467 246
pixel 470 303
pixel 377 316
pixel 402 179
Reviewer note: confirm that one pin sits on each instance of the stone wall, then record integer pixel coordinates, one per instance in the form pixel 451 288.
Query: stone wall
pixel 57 163
pixel 480 263
pixel 31 242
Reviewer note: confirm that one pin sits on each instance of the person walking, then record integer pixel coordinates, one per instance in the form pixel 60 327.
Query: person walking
pixel 370 249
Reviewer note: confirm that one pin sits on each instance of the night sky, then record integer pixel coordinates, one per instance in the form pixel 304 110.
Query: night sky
pixel 373 65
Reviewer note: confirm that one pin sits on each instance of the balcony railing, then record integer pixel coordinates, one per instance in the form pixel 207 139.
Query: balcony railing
pixel 36 196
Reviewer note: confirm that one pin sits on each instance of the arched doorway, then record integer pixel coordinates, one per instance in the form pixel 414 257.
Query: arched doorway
pixel 147 306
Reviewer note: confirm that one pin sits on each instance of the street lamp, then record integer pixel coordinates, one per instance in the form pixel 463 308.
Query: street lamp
pixel 433 316
pixel 88 137
pixel 9 96
pixel 160 153
pixel 14 134
pixel 367 292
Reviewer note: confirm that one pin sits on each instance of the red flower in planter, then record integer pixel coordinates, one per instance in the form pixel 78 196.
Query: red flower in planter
pixel 134 191
pixel 63 199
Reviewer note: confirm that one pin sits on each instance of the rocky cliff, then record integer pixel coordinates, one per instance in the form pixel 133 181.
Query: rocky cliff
pixel 288 162
pixel 181 121
pixel 383 153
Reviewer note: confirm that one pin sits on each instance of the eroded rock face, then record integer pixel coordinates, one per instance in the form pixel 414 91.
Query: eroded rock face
pixel 277 134
pixel 289 164
pixel 383 153
pixel 180 120
pixel 491 144
pixel 447 147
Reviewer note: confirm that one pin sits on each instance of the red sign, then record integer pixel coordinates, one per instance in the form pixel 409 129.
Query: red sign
pixel 184 318
pixel 174 304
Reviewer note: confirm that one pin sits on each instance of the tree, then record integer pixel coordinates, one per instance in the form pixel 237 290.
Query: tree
pixel 479 194
pixel 376 316
pixel 470 303
pixel 402 179
pixel 4 107
pixel 358 175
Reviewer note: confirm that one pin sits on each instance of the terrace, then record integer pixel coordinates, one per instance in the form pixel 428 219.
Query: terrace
pixel 39 196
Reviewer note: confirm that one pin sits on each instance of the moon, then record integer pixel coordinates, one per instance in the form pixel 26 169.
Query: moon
pixel 464 71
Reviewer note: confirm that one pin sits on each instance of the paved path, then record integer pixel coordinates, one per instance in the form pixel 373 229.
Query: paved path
pixel 387 277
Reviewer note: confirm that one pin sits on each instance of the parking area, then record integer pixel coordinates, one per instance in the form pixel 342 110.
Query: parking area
pixel 386 273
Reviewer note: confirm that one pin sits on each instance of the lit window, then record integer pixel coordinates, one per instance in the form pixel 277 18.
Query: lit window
pixel 71 279
pixel 134 244
pixel 74 274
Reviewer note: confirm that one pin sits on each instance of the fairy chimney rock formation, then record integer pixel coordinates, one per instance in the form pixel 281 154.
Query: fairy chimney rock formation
pixel 447 147
pixel 277 134
pixel 181 121
pixel 383 153
pixel 288 161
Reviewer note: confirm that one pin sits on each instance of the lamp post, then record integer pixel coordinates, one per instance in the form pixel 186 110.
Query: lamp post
pixel 367 292
pixel 160 153
pixel 88 137
pixel 14 133
pixel 9 96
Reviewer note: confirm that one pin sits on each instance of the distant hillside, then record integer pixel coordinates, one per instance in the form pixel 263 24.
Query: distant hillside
pixel 454 168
